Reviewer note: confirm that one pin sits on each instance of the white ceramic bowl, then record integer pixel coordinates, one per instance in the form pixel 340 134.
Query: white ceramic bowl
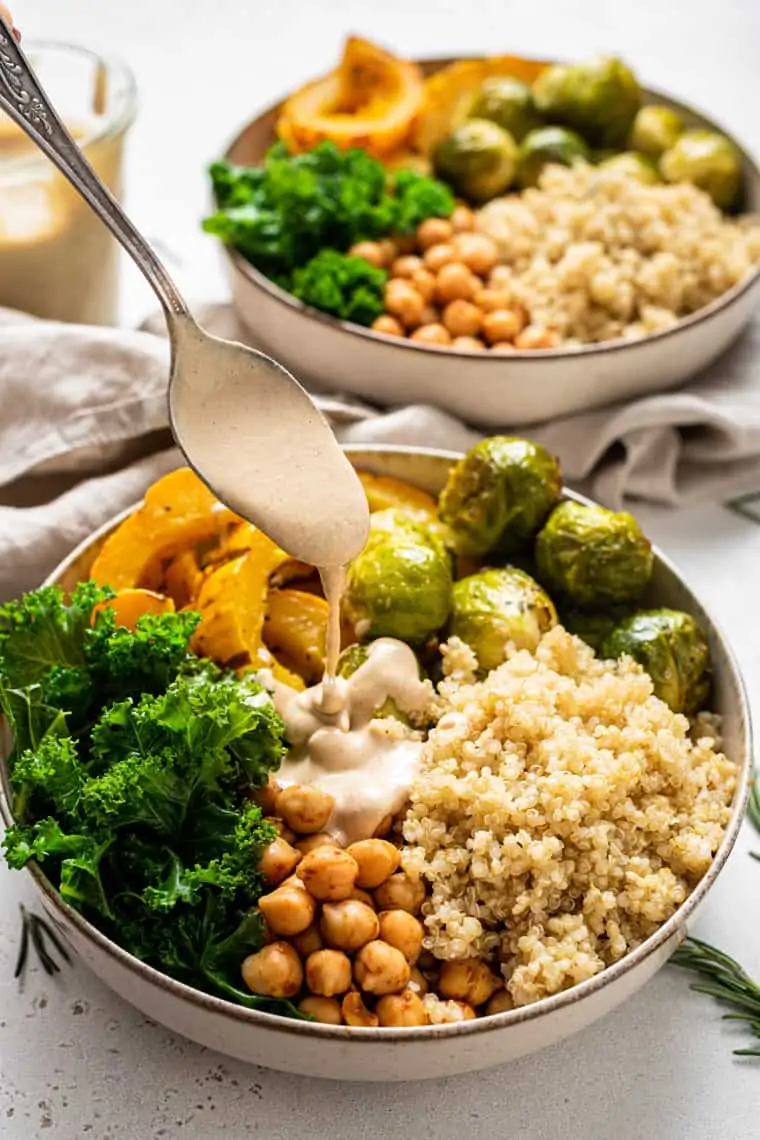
pixel 432 1051
pixel 490 391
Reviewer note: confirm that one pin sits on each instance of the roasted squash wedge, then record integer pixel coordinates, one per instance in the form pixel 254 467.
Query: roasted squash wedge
pixel 183 578
pixel 129 605
pixel 383 492
pixel 295 628
pixel 178 512
pixel 370 100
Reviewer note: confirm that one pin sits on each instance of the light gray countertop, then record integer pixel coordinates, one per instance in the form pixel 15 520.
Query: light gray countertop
pixel 75 1061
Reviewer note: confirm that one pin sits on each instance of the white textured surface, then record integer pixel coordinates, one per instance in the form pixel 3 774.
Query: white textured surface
pixel 77 1062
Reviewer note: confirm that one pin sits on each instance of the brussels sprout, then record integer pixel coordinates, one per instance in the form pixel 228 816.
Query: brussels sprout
pixel 351 659
pixel 507 102
pixel 594 556
pixel 592 626
pixel 654 130
pixel 636 166
pixel 400 585
pixel 545 146
pixel 498 495
pixel 478 159
pixel 672 649
pixel 494 607
pixel 600 99
pixel 708 160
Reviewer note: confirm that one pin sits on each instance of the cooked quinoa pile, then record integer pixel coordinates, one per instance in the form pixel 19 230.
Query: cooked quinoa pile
pixel 561 814
pixel 597 255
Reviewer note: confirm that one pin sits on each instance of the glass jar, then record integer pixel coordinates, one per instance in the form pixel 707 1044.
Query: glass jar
pixel 57 259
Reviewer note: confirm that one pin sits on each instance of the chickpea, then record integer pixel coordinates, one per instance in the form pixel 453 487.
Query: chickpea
pixel 284 832
pixel 455 283
pixel 399 892
pixel 401 1009
pixel 328 873
pixel 462 318
pixel 279 860
pixel 311 842
pixel 406 266
pixel 401 929
pixel 477 252
pixel 468 344
pixel 386 823
pixel 431 334
pixel 389 250
pixel 433 231
pixel 381 969
pixel 430 316
pixel 356 1013
pixel 470 981
pixel 503 348
pixel 500 277
pixel 501 1002
pixel 348 925
pixel 436 256
pixel 304 808
pixel 328 972
pixel 424 282
pixel 363 896
pixel 308 941
pixel 274 971
pixel 491 299
pixel 288 910
pixel 388 325
pixel 418 982
pixel 501 324
pixel 370 251
pixel 536 337
pixel 462 219
pixel 405 243
pixel 266 796
pixel 404 302
pixel 324 1009
pixel 377 859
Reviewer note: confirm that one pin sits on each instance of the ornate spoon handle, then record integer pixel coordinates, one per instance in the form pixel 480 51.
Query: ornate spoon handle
pixel 22 97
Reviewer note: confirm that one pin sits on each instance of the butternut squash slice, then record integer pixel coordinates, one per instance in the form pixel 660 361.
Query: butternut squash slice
pixel 129 605
pixel 183 578
pixel 295 628
pixel 383 491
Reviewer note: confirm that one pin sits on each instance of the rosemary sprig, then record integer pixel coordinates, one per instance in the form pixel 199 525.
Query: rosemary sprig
pixel 726 981
pixel 37 932
pixel 753 807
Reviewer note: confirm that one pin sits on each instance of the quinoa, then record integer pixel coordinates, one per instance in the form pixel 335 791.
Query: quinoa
pixel 560 815
pixel 597 255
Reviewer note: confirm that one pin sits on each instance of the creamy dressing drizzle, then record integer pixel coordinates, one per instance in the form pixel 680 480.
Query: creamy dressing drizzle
pixel 333 580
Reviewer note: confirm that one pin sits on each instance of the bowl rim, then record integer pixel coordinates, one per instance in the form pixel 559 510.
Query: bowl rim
pixel 286 300
pixel 674 926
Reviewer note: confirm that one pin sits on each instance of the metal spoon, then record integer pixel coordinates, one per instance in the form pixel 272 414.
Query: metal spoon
pixel 243 423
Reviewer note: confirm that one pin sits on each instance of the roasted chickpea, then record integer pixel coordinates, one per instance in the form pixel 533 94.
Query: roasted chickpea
pixel 363 896
pixel 388 325
pixel 401 929
pixel 311 842
pixel 377 859
pixel 433 231
pixel 477 252
pixel 462 219
pixel 455 283
pixel 356 1013
pixel 469 981
pixel 279 860
pixel 405 243
pixel 381 969
pixel 309 941
pixel 430 316
pixel 399 892
pixel 389 250
pixel 501 324
pixel 288 910
pixel 500 277
pixel 404 302
pixel 503 348
pixel 328 873
pixel 282 830
pixel 328 972
pixel 424 282
pixel 266 796
pixel 501 1002
pixel 489 300
pixel 406 266
pixel 274 971
pixel 431 334
pixel 370 251
pixel 536 337
pixel 418 982
pixel 324 1009
pixel 462 318
pixel 305 808
pixel 468 344
pixel 401 1009
pixel 348 925
pixel 436 256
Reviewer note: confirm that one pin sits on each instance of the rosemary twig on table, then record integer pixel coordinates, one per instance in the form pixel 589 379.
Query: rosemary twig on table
pixel 38 933
pixel 753 807
pixel 725 980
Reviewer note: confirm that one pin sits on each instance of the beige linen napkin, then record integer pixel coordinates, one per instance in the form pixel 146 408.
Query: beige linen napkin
pixel 83 432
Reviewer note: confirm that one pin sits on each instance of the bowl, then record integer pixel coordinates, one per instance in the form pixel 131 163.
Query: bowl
pixel 389 1054
pixel 490 391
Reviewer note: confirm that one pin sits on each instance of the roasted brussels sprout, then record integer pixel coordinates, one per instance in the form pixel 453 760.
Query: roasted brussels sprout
pixel 654 130
pixel 478 159
pixel 672 649
pixel 352 657
pixel 545 146
pixel 595 557
pixel 599 99
pixel 494 607
pixel 636 166
pixel 498 495
pixel 592 626
pixel 507 102
pixel 400 585
pixel 707 159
